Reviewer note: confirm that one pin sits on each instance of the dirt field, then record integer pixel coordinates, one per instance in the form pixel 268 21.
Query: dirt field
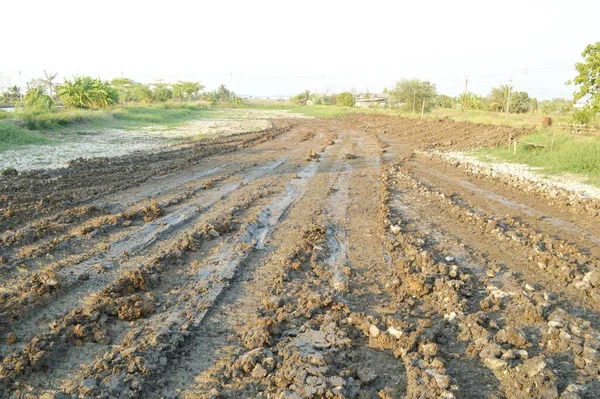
pixel 320 259
pixel 95 142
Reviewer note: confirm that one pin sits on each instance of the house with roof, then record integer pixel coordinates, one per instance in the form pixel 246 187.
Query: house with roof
pixel 370 100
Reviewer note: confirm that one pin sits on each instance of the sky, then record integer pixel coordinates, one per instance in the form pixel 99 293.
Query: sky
pixel 280 48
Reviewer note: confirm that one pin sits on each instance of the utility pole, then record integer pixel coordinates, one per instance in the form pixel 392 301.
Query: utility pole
pixel 422 110
pixel 465 93
pixel 508 97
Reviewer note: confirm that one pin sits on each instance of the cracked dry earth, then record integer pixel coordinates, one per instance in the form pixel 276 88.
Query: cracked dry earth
pixel 320 259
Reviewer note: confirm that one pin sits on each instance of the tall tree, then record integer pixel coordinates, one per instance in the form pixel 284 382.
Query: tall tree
pixel 588 78
pixel 498 97
pixel 183 89
pixel 14 93
pixel 519 102
pixel 413 93
pixel 49 81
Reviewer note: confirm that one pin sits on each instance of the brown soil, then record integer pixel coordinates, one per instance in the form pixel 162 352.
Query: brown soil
pixel 319 259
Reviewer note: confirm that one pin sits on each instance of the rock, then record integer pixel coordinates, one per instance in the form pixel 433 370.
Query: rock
pixel 442 380
pixel 495 364
pixel 582 285
pixel 395 332
pixel 491 350
pixel 555 324
pixel 449 258
pixel 313 338
pixel 259 371
pixel 374 331
pixel 593 278
pixel 395 229
pixel 535 366
pixel 512 336
pixel 429 349
pixel 529 287
pixel 213 233
pixel 590 353
pixel 451 316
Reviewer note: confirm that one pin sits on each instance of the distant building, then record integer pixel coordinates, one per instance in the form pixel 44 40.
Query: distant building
pixel 369 100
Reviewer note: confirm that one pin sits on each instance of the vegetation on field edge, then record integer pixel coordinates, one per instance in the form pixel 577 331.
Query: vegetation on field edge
pixel 554 152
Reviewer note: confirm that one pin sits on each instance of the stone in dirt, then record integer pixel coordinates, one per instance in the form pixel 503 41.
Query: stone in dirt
pixel 259 371
pixel 374 331
pixel 312 338
pixel 495 364
pixel 394 332
pixel 512 336
pixel 442 380
pixel 593 278
pixel 534 366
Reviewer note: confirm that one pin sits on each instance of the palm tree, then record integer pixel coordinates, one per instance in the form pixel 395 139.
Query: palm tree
pixel 49 80
pixel 14 93
pixel 499 96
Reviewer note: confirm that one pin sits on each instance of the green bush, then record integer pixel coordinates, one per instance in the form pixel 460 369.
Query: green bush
pixel 345 99
pixel 12 135
pixel 583 116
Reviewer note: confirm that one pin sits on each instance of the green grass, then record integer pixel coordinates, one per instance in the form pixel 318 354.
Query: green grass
pixel 116 118
pixel 474 116
pixel 12 136
pixel 24 127
pixel 322 111
pixel 569 154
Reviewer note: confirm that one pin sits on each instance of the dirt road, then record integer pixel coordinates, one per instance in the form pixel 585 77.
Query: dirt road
pixel 322 258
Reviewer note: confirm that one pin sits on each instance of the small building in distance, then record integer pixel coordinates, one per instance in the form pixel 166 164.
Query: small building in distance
pixel 370 100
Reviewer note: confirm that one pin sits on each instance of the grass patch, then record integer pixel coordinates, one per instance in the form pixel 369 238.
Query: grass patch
pixel 116 118
pixel 322 111
pixel 165 114
pixel 474 116
pixel 570 154
pixel 13 136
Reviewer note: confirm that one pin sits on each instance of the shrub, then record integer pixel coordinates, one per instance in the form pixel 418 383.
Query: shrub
pixel 345 99
pixel 583 116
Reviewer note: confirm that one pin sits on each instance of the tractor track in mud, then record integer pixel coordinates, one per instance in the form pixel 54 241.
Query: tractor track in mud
pixel 321 258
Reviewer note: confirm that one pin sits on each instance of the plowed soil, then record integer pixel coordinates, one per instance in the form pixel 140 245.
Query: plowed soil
pixel 325 258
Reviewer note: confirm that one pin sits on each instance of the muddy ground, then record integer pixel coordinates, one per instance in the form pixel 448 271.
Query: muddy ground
pixel 334 258
pixel 89 142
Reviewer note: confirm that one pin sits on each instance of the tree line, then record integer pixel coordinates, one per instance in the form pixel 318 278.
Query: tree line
pixel 88 92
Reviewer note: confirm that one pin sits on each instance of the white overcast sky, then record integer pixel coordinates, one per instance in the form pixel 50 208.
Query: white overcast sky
pixel 282 47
